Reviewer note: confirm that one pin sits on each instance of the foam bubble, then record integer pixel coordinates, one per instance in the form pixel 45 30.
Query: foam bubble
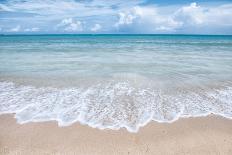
pixel 111 105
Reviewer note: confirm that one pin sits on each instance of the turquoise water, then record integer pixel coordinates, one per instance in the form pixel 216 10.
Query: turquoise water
pixel 114 81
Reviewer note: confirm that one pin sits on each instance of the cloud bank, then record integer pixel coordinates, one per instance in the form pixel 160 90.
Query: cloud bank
pixel 70 25
pixel 114 16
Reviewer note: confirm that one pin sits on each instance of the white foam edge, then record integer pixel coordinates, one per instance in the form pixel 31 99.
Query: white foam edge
pixel 60 123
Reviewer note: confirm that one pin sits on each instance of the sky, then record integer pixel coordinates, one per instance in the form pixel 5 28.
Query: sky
pixel 116 16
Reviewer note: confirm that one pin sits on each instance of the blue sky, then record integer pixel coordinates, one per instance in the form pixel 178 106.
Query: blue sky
pixel 116 16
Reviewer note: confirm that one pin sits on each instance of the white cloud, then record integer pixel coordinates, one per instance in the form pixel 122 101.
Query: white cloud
pixel 34 29
pixel 15 29
pixel 70 25
pixel 96 28
pixel 68 8
pixel 147 17
pixel 189 17
pixel 76 16
pixel 196 15
pixel 192 14
pixel 125 18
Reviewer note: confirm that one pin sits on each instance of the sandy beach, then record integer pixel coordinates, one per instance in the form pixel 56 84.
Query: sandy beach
pixel 95 77
pixel 204 135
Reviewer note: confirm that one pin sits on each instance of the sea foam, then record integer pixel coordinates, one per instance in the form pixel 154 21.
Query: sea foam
pixel 112 105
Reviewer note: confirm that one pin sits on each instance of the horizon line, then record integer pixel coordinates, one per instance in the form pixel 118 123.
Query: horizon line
pixel 95 34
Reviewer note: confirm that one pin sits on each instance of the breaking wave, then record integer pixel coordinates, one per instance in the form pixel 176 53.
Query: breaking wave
pixel 112 105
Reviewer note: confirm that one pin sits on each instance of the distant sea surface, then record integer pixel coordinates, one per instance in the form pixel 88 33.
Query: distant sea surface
pixel 115 81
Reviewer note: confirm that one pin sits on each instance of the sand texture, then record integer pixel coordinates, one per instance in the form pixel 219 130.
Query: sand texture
pixel 196 136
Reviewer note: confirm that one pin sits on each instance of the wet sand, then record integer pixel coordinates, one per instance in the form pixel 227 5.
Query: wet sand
pixel 203 135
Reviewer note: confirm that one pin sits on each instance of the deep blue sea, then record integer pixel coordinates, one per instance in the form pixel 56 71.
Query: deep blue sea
pixel 114 81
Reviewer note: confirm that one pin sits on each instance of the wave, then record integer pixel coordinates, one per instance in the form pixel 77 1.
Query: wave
pixel 112 105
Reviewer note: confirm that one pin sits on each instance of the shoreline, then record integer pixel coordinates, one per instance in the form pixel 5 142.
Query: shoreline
pixel 112 106
pixel 121 128
pixel 201 135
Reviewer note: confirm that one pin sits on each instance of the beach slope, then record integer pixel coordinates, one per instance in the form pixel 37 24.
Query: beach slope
pixel 204 135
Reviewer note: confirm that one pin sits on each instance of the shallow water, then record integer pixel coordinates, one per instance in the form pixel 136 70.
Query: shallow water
pixel 113 81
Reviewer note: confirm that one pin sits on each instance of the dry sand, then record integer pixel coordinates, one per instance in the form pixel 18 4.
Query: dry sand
pixel 205 135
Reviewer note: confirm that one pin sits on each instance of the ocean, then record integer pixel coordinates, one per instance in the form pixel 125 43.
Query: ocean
pixel 115 81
